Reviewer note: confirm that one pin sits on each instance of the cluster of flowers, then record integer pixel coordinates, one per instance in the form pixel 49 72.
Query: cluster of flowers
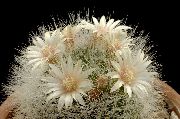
pixel 74 69
pixel 87 69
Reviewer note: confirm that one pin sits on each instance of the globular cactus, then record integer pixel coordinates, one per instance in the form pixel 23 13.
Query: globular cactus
pixel 88 69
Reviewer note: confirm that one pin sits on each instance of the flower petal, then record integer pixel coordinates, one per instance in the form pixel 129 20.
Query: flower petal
pixel 79 98
pixel 116 86
pixel 109 23
pixel 128 90
pixel 33 48
pixel 103 21
pixel 32 56
pixel 36 65
pixel 61 102
pixel 40 41
pixel 114 24
pixel 56 71
pixel 52 90
pixel 52 84
pixel 81 92
pixel 116 66
pixel 33 53
pixel 119 28
pixel 47 37
pixel 53 95
pixel 33 61
pixel 95 21
pixel 50 80
pixel 68 100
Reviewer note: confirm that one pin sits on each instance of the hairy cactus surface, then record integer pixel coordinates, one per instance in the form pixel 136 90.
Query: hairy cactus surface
pixel 90 68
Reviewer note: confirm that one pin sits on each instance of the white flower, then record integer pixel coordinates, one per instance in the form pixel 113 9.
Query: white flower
pixel 68 84
pixel 102 27
pixel 132 72
pixel 114 35
pixel 119 43
pixel 47 50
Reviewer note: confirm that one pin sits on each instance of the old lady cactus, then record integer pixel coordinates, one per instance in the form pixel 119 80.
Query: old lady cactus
pixel 88 69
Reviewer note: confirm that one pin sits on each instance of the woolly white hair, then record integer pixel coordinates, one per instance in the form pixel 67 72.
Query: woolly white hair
pixel 76 66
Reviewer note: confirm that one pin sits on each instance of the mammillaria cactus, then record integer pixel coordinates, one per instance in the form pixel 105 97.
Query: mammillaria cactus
pixel 88 69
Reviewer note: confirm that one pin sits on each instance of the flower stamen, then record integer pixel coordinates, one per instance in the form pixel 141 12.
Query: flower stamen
pixel 127 75
pixel 70 84
pixel 49 54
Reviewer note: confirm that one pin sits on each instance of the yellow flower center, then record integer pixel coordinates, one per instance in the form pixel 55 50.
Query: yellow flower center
pixel 127 75
pixel 70 84
pixel 50 55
